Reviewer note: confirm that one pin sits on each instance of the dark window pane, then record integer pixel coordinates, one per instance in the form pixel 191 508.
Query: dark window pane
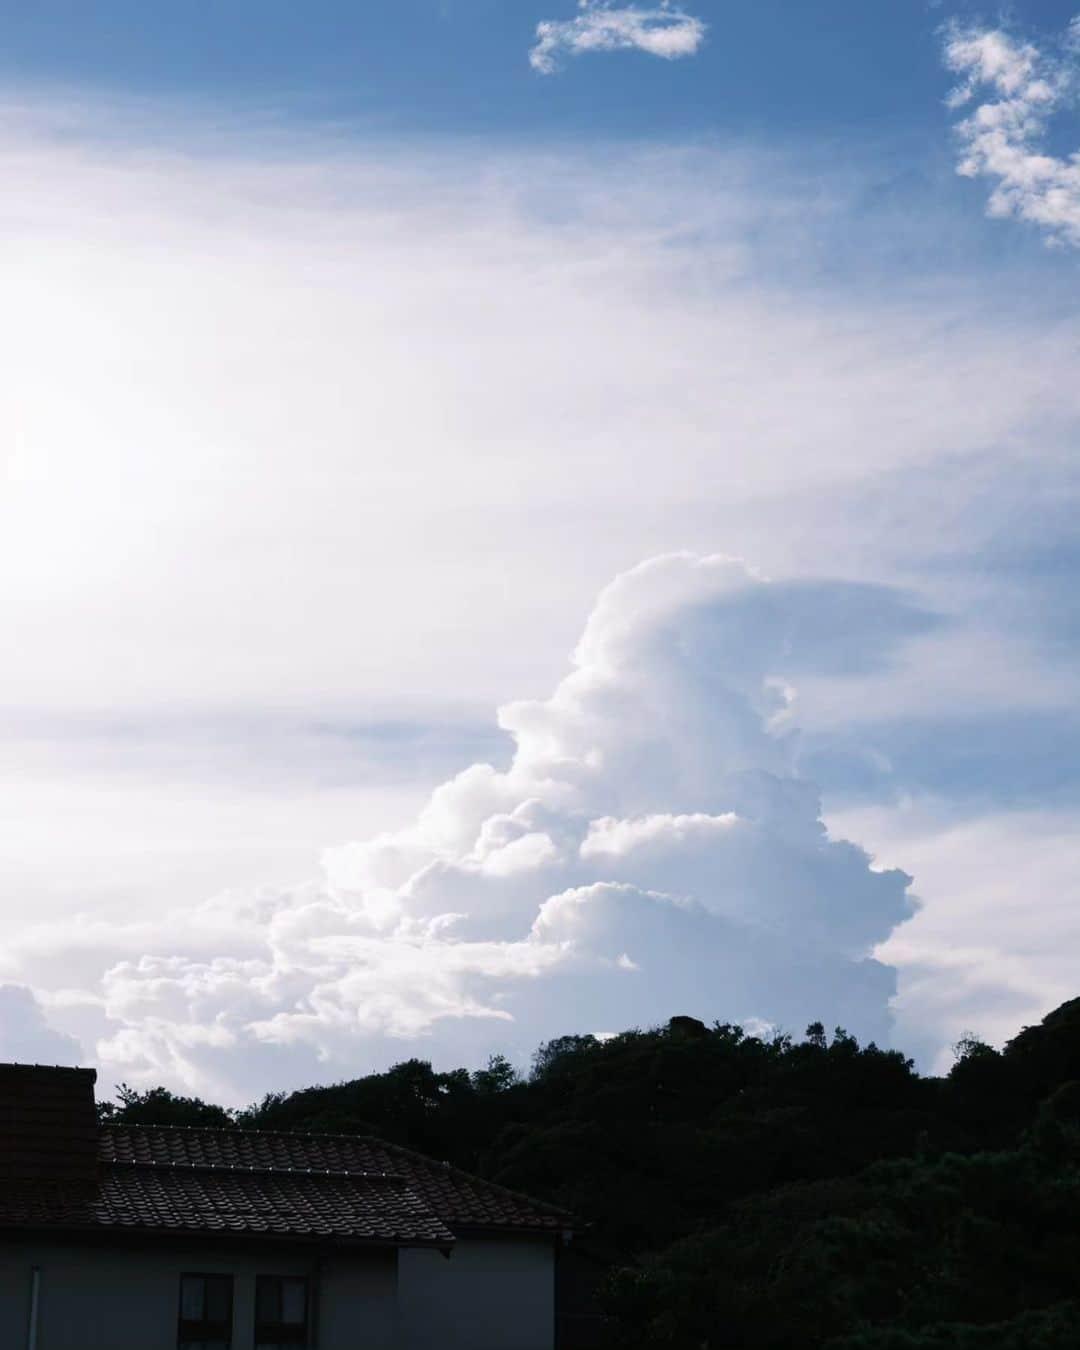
pixel 192 1289
pixel 218 1298
pixel 268 1299
pixel 281 1312
pixel 205 1312
pixel 294 1302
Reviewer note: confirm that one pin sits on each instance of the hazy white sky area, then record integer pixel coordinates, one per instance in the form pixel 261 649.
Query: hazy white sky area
pixel 316 453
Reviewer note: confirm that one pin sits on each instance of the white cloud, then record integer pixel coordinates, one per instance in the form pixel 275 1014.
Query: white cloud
pixel 649 849
pixel 993 945
pixel 663 30
pixel 1005 137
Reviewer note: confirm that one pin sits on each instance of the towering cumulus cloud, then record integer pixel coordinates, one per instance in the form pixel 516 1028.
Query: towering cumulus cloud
pixel 649 849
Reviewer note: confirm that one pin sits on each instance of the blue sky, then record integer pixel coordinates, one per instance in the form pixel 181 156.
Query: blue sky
pixel 452 66
pixel 378 409
pixel 426 65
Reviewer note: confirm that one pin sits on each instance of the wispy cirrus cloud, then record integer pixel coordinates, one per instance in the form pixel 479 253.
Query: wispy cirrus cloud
pixel 1004 138
pixel 660 30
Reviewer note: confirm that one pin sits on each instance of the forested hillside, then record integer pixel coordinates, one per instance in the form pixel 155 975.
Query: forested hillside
pixel 735 1191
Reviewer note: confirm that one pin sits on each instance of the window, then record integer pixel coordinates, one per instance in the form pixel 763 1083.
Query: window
pixel 281 1312
pixel 206 1306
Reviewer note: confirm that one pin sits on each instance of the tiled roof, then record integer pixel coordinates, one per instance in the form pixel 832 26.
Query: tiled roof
pixel 459 1199
pixel 197 1200
pixel 262 1184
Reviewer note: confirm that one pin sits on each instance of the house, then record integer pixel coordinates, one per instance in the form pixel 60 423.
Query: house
pixel 120 1237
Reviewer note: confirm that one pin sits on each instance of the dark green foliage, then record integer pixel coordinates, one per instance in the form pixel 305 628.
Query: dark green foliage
pixel 762 1193
pixel 158 1106
pixel 499 1076
pixel 964 1239
pixel 447 1115
pixel 1056 1328
pixel 925 1249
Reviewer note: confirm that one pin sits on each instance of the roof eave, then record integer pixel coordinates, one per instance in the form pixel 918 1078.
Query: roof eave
pixel 122 1232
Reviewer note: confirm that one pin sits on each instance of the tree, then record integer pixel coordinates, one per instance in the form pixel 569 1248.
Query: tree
pixel 159 1106
pixel 499 1076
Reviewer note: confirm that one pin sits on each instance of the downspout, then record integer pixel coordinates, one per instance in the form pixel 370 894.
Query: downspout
pixel 35 1291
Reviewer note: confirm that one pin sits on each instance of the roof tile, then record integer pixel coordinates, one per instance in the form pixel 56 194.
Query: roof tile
pixel 455 1196
pixel 298 1185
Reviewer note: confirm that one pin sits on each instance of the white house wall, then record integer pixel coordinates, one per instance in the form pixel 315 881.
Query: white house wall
pixel 102 1297
pixel 489 1295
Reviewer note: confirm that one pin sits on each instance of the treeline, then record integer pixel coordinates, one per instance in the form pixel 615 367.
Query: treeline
pixel 740 1191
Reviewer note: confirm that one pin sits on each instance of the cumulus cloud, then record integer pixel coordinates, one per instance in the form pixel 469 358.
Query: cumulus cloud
pixel 26 1036
pixel 1004 136
pixel 649 849
pixel 662 30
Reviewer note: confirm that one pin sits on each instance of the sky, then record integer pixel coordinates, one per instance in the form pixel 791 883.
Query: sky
pixel 521 517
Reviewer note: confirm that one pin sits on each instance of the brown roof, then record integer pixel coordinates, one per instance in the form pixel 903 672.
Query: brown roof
pixel 196 1200
pixel 458 1198
pixel 178 1180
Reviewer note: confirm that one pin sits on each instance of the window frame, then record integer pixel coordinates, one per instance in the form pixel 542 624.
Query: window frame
pixel 282 1333
pixel 191 1331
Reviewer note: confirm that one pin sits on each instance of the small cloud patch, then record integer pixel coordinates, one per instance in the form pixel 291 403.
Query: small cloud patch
pixel 662 30
pixel 1011 90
